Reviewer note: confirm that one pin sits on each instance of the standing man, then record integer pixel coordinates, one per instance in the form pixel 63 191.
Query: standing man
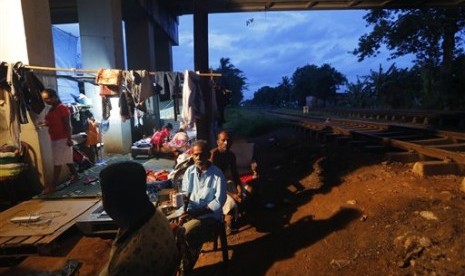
pixel 59 128
pixel 205 186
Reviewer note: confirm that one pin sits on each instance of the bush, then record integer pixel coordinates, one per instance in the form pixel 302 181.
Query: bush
pixel 251 122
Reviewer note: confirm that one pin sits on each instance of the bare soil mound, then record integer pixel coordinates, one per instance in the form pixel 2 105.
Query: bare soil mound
pixel 345 211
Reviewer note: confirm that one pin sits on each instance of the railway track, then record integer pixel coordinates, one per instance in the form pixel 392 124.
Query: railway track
pixel 434 144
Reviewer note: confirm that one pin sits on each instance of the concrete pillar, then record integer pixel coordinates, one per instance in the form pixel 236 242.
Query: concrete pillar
pixel 163 53
pixel 204 123
pixel 100 26
pixel 140 47
pixel 26 36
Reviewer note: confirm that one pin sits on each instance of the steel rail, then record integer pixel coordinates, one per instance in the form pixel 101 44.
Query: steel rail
pixel 391 135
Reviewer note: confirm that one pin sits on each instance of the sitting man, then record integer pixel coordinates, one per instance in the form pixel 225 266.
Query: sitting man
pixel 145 244
pixel 205 187
pixel 225 159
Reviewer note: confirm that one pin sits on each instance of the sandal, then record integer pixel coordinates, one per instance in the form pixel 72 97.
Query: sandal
pixel 90 180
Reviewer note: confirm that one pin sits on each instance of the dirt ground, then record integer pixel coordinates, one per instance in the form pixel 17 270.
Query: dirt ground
pixel 336 211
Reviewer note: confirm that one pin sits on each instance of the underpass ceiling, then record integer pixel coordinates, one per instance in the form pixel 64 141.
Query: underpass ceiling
pixel 180 7
pixel 65 11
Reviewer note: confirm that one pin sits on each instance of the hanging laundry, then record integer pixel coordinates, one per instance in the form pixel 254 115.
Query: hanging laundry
pixel 174 85
pixel 192 100
pixel 109 81
pixel 160 83
pixel 9 98
pixel 126 105
pixel 18 96
pixel 106 107
pixel 108 77
pixel 167 84
pixel 139 85
pixel 31 87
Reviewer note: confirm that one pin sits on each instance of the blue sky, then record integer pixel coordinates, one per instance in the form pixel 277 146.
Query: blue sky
pixel 275 44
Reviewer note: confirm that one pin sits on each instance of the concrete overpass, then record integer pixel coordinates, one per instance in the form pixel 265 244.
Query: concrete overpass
pixel 65 10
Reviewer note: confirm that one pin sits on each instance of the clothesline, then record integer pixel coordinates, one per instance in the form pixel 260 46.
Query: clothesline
pixel 96 71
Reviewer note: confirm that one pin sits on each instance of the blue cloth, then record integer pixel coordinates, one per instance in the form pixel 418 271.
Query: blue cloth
pixel 206 189
pixel 156 186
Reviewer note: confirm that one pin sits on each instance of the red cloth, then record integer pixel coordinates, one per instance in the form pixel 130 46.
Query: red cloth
pixel 156 175
pixel 246 178
pixel 55 119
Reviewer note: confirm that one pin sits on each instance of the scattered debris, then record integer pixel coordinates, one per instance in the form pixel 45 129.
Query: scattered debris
pixel 428 215
pixel 339 263
pixel 351 202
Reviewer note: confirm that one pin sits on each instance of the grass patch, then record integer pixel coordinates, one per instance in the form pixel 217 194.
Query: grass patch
pixel 251 122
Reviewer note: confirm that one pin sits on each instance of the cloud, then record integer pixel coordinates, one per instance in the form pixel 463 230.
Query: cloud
pixel 267 46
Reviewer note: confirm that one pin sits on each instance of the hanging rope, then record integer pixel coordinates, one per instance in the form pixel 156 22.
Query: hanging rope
pixel 90 71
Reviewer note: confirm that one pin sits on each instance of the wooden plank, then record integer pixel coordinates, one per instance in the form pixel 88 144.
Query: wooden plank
pixel 15 241
pixel 26 245
pixel 4 240
pixel 32 240
pixel 63 228
pixel 50 238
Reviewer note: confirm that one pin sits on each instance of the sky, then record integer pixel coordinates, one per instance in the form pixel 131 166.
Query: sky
pixel 266 46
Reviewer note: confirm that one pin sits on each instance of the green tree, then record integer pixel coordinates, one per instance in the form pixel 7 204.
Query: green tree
pixel 233 79
pixel 358 95
pixel 284 91
pixel 266 95
pixel 431 35
pixel 393 88
pixel 320 82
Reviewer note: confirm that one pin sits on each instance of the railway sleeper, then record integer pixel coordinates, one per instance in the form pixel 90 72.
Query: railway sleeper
pixel 451 147
pixel 343 140
pixel 376 148
pixel 430 168
pixel 357 143
pixel 406 157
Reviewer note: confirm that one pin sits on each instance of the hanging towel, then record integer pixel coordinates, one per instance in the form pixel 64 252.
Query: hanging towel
pixel 108 77
pixel 109 81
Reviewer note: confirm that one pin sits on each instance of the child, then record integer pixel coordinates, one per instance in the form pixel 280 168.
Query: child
pixel 92 138
pixel 161 136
